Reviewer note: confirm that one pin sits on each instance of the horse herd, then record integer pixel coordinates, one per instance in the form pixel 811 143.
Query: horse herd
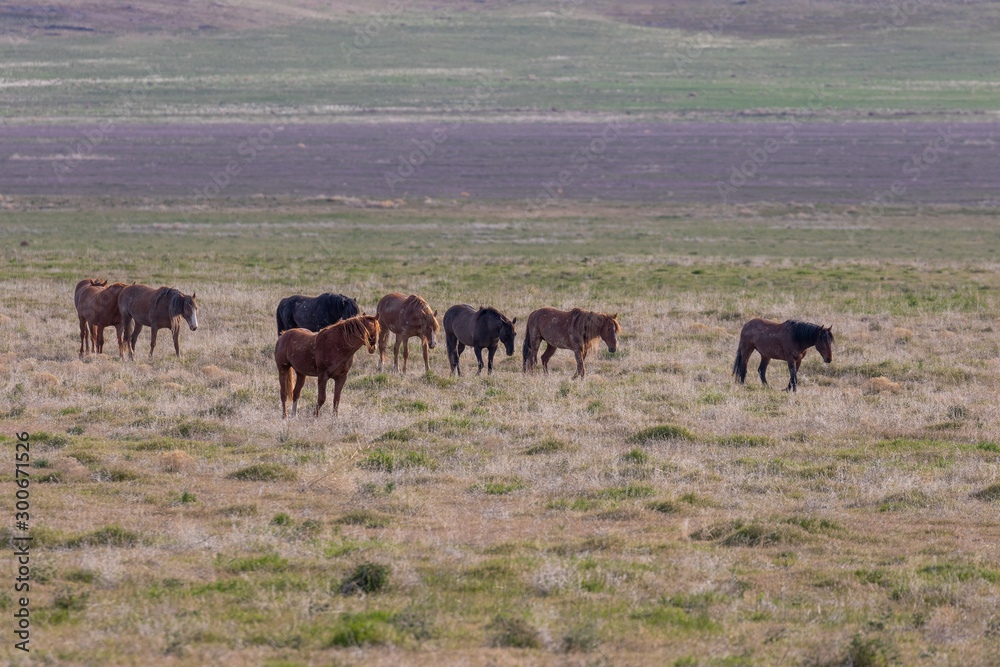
pixel 319 336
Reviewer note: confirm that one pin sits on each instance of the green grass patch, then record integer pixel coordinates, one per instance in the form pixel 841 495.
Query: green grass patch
pixel 365 518
pixel 263 472
pixel 110 536
pixel 990 494
pixel 388 460
pixel 626 492
pixel 904 500
pixel 506 631
pixel 399 435
pixel 367 578
pixel 547 446
pixel 741 440
pixel 499 486
pixel 264 563
pixel 660 433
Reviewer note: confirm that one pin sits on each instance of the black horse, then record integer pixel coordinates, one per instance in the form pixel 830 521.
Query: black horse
pixel 314 313
pixel 464 325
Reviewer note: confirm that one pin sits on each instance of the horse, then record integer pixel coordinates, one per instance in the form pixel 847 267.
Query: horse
pixel 100 310
pixel 406 316
pixel 85 287
pixel 483 328
pixel 314 313
pixel 576 330
pixel 156 308
pixel 324 355
pixel 789 340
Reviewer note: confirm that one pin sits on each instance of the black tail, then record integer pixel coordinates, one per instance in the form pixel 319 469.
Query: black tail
pixel 277 315
pixel 526 349
pixel 740 367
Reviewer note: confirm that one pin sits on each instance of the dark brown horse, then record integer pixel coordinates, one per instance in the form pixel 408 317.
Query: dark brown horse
pixel 576 330
pixel 86 287
pixel 156 308
pixel 100 310
pixel 324 355
pixel 406 316
pixel 787 341
pixel 314 312
pixel 483 328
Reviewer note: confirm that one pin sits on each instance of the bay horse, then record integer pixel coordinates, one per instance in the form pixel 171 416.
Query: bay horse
pixel 788 341
pixel 86 287
pixel 324 355
pixel 478 329
pixel 156 308
pixel 100 310
pixel 406 316
pixel 314 313
pixel 576 330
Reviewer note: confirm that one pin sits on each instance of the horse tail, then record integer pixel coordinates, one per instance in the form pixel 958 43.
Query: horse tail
pixel 526 348
pixel 740 366
pixel 277 315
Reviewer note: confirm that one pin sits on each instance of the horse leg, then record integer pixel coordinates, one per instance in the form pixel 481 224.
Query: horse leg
pixel 134 339
pixel 451 343
pixel 459 349
pixel 395 354
pixel 100 341
pixel 338 386
pixel 152 338
pixel 300 381
pixel 83 333
pixel 550 349
pixel 580 369
pixel 176 331
pixel 121 344
pixel 792 372
pixel 762 369
pixel 321 394
pixel 285 387
pixel 479 358
pixel 489 368
pixel 406 352
pixel 383 342
pixel 427 353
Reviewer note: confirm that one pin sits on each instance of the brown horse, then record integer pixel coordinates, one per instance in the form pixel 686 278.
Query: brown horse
pixel 576 330
pixel 156 308
pixel 100 310
pixel 789 341
pixel 324 355
pixel 86 287
pixel 406 316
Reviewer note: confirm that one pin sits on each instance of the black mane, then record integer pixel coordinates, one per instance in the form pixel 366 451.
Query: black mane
pixel 804 333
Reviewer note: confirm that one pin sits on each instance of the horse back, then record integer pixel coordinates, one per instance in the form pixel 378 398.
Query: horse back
pixel 297 348
pixel 553 326
pixel 459 321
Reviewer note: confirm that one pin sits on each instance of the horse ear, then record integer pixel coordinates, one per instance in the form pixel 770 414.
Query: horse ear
pixel 378 316
pixel 615 316
pixel 435 313
pixel 514 321
pixel 194 294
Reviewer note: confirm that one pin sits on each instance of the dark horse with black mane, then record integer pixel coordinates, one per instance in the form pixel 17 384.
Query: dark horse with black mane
pixel 314 312
pixel 789 341
pixel 478 329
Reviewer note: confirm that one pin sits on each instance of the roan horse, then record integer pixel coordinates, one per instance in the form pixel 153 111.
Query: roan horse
pixel 99 309
pixel 788 341
pixel 406 316
pixel 314 313
pixel 483 328
pixel 324 355
pixel 576 330
pixel 156 308
pixel 84 288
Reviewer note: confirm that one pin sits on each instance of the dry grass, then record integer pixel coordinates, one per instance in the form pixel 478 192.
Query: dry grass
pixel 655 512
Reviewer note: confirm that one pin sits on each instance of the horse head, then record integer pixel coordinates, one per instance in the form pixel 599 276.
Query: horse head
pixel 824 344
pixel 186 307
pixel 507 334
pixel 430 327
pixel 371 331
pixel 609 332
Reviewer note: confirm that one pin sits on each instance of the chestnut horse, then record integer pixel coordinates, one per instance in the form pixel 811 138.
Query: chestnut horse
pixel 483 328
pixel 86 287
pixel 789 341
pixel 324 355
pixel 406 316
pixel 156 308
pixel 576 330
pixel 100 310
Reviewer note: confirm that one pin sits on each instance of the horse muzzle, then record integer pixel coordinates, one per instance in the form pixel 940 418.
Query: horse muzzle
pixel 194 327
pixel 828 360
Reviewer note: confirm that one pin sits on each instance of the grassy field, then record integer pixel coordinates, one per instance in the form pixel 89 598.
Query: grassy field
pixel 656 513
pixel 564 60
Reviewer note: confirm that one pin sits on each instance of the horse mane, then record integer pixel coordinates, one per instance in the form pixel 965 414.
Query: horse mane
pixel 804 333
pixel 423 306
pixel 352 327
pixel 589 324
pixel 494 311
